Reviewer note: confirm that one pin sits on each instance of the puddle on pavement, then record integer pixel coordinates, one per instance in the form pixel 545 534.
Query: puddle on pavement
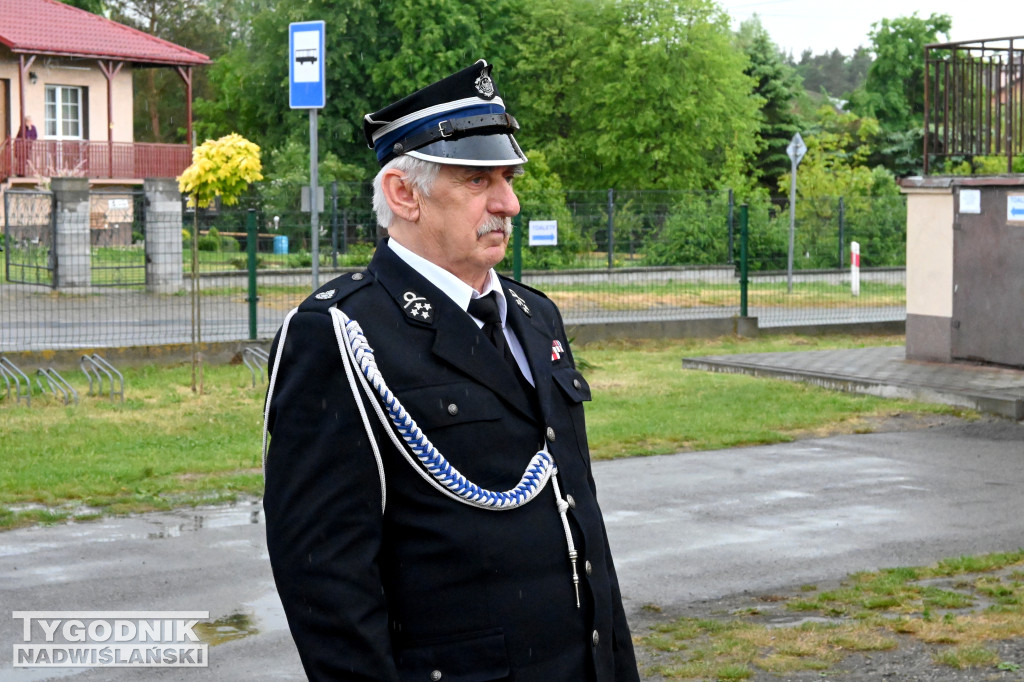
pixel 148 526
pixel 240 514
pixel 227 629
pixel 261 615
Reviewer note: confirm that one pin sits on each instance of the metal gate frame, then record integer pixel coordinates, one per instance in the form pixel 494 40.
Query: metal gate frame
pixel 29 240
pixel 118 218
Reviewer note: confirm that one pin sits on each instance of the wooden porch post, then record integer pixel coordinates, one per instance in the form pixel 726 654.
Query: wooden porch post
pixel 22 74
pixel 24 65
pixel 186 75
pixel 110 70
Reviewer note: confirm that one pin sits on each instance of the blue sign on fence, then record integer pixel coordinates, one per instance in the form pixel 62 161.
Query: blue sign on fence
pixel 1015 208
pixel 543 233
pixel 306 87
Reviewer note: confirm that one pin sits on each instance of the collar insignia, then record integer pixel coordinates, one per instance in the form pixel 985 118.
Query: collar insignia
pixel 484 84
pixel 417 307
pixel 520 302
pixel 326 295
pixel 556 350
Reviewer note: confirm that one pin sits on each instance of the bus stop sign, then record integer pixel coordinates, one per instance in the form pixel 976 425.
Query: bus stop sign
pixel 306 88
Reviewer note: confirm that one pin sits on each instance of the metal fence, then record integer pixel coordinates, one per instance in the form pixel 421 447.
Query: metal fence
pixel 974 103
pixel 620 257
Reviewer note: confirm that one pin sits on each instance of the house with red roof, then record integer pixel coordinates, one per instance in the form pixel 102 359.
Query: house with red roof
pixel 69 72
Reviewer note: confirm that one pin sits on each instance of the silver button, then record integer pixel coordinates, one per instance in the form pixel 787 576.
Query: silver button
pixel 588 567
pixel 358 276
pixel 596 638
pixel 436 675
pixel 453 409
pixel 576 383
pixel 551 434
pixel 571 500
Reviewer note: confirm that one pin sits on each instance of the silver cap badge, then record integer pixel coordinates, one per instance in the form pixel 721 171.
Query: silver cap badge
pixel 484 84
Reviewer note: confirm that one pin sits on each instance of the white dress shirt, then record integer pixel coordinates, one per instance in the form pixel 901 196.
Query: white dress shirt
pixel 461 293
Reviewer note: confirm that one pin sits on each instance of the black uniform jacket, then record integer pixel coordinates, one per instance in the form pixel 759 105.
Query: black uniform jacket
pixel 430 588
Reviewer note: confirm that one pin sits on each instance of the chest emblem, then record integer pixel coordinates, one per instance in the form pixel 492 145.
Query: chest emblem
pixel 417 307
pixel 520 302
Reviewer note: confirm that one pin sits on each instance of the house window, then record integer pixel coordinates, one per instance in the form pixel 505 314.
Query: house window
pixel 64 112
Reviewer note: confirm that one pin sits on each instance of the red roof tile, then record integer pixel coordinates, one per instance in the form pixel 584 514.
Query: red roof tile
pixel 51 27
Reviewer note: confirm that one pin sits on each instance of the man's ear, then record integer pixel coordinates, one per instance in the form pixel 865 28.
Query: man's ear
pixel 401 197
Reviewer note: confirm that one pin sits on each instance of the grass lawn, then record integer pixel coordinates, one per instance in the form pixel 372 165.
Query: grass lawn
pixel 958 609
pixel 645 403
pixel 166 446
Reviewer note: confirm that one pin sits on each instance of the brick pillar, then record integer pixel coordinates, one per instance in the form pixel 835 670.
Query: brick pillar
pixel 71 248
pixel 163 236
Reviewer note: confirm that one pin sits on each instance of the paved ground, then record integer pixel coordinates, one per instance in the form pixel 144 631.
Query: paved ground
pixel 886 372
pixel 685 529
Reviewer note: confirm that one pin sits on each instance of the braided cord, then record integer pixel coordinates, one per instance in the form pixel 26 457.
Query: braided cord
pixel 430 463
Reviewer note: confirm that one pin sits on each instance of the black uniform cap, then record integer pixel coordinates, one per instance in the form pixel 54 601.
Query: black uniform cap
pixel 459 120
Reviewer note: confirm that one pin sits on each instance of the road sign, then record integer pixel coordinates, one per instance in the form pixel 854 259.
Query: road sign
pixel 796 149
pixel 306 87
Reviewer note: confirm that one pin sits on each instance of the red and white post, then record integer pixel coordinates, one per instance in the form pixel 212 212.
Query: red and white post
pixel 855 268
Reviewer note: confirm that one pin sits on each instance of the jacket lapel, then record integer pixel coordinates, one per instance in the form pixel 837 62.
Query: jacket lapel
pixel 535 336
pixel 457 340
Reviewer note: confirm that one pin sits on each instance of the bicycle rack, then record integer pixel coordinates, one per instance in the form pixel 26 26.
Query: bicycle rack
pixel 97 364
pixel 56 383
pixel 10 371
pixel 255 359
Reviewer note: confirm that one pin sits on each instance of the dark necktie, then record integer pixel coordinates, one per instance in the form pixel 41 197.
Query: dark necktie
pixel 485 309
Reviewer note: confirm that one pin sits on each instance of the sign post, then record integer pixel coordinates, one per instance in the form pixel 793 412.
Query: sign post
pixel 307 90
pixel 796 150
pixel 855 268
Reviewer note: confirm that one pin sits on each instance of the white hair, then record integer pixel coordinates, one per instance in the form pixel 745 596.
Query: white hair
pixel 419 174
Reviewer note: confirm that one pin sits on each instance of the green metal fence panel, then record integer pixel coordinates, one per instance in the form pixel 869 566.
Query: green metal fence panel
pixel 621 256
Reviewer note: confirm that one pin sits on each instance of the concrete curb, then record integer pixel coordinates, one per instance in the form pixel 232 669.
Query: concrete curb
pixel 989 403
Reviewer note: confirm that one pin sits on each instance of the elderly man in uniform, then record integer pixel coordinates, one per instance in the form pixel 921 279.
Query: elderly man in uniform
pixel 431 513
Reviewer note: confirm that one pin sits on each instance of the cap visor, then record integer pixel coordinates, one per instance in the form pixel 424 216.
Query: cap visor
pixel 475 150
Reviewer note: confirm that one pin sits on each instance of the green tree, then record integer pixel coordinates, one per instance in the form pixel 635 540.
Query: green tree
pixel 778 87
pixel 642 94
pixel 832 72
pixel 160 109
pixel 94 6
pixel 376 52
pixel 894 90
pixel 288 169
pixel 636 94
pixel 221 168
pixel 835 167
pixel 695 232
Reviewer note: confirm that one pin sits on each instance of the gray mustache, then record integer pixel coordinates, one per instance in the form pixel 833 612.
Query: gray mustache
pixel 495 224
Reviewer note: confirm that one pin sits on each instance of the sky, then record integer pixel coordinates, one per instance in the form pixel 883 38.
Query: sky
pixel 824 25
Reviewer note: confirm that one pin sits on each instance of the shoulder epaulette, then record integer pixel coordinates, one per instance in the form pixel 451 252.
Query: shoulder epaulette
pixel 334 291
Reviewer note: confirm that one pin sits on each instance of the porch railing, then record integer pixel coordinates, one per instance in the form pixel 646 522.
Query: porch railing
pixel 87 159
pixel 974 100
